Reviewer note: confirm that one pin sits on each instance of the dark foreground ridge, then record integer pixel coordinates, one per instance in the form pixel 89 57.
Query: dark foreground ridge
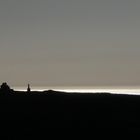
pixel 52 109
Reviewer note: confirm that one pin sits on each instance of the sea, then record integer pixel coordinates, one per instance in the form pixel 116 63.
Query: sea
pixel 135 90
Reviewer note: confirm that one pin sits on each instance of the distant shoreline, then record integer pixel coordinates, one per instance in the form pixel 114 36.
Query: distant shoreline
pixel 112 91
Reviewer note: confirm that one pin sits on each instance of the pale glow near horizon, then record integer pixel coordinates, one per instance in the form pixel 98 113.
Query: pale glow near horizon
pixel 122 90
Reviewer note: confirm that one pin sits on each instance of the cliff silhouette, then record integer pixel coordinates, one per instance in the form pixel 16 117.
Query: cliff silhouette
pixel 52 109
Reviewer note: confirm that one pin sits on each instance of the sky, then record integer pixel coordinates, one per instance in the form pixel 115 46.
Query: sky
pixel 70 42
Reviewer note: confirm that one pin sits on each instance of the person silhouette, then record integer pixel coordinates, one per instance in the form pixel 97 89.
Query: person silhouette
pixel 28 89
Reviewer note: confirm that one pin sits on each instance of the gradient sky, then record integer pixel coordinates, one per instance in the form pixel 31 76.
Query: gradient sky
pixel 70 42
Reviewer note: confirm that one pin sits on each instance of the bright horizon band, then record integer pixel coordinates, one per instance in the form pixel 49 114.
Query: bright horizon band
pixel 132 90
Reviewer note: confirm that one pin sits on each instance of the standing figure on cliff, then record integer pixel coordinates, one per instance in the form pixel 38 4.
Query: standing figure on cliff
pixel 28 89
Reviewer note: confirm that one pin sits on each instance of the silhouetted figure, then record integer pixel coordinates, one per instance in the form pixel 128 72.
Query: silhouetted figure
pixel 28 89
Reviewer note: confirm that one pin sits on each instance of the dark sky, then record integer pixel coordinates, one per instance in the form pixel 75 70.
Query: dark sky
pixel 70 42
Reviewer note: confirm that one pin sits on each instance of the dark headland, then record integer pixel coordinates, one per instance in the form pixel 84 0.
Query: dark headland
pixel 53 109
